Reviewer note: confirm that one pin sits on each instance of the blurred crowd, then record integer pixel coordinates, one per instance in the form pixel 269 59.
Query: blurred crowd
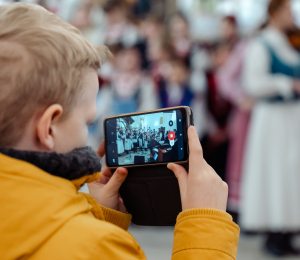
pixel 244 91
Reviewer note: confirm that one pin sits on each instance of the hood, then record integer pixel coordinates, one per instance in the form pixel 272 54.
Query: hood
pixel 34 205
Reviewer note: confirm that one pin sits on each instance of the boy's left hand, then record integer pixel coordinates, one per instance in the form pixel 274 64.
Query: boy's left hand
pixel 105 190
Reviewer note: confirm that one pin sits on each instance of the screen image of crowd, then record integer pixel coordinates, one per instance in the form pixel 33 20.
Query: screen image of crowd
pixel 145 138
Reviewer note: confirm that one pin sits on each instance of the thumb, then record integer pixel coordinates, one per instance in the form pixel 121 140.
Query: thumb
pixel 115 182
pixel 181 174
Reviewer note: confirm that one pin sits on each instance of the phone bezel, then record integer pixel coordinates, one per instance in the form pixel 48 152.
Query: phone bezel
pixel 186 113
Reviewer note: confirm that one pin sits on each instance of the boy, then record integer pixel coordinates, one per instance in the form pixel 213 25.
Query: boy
pixel 48 78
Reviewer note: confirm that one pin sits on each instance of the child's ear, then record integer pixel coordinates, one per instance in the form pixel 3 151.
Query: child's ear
pixel 45 126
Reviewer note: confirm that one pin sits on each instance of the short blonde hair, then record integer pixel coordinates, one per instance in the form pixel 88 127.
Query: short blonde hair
pixel 42 62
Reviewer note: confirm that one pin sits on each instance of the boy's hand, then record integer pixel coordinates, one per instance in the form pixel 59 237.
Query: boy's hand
pixel 106 189
pixel 201 187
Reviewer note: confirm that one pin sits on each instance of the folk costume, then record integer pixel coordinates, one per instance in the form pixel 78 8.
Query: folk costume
pixel 271 179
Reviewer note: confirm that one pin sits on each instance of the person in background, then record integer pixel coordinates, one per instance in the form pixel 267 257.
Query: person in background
pixel 159 54
pixel 166 140
pixel 130 89
pixel 219 108
pixel 152 30
pixel 131 139
pixel 180 38
pixel 126 81
pixel 216 142
pixel 153 142
pixel 141 139
pixel 135 140
pixel 140 8
pixel 128 141
pixel 271 179
pixel 120 141
pixel 162 135
pixel 118 28
pixel 126 89
pixel 89 18
pixel 229 81
pixel 229 30
pixel 174 91
pixel 145 140
pixel 199 86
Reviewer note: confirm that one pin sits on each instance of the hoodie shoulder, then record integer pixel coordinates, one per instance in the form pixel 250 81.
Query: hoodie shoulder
pixel 86 237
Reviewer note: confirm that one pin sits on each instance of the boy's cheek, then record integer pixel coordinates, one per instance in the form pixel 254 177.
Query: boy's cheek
pixel 85 138
pixel 71 138
pixel 80 137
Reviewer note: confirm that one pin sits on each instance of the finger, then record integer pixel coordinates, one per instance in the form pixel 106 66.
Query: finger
pixel 122 207
pixel 105 176
pixel 195 148
pixel 101 149
pixel 104 179
pixel 115 182
pixel 181 174
pixel 106 171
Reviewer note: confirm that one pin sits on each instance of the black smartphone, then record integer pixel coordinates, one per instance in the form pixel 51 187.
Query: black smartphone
pixel 148 138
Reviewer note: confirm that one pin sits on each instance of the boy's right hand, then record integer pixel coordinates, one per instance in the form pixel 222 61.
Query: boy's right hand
pixel 201 187
pixel 105 190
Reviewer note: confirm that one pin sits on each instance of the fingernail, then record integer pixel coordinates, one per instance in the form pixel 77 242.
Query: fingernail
pixel 169 165
pixel 122 171
pixel 192 128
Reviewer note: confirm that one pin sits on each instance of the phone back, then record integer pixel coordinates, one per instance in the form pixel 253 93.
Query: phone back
pixel 152 196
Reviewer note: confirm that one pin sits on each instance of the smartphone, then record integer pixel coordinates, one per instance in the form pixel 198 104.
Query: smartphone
pixel 148 138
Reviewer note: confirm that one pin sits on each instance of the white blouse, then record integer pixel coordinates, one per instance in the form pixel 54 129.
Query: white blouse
pixel 257 78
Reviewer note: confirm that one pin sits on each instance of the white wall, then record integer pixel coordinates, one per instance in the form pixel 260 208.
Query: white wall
pixel 153 120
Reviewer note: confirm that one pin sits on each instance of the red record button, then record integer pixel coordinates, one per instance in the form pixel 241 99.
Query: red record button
pixel 171 135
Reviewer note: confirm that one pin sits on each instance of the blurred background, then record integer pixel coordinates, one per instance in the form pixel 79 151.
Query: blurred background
pixel 237 64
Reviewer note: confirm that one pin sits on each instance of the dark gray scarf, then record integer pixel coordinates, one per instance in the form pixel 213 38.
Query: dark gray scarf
pixel 73 165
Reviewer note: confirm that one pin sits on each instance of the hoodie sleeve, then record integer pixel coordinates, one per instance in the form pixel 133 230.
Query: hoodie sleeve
pixel 120 219
pixel 205 234
pixel 199 233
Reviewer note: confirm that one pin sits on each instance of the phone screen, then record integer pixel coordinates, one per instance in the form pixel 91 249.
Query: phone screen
pixel 155 137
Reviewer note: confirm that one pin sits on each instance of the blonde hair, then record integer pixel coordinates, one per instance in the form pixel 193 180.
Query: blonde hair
pixel 42 62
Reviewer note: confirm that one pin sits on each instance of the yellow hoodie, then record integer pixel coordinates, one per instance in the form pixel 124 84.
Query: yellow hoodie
pixel 45 217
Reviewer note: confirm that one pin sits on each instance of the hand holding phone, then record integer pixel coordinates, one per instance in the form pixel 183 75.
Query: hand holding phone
pixel 145 143
pixel 105 190
pixel 201 187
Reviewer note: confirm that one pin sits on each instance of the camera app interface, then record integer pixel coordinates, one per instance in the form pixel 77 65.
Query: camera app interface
pixel 145 138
